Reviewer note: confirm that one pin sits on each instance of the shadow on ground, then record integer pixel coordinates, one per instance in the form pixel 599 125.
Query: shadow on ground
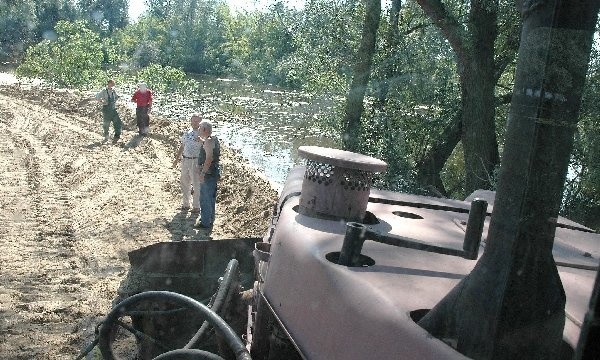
pixel 182 228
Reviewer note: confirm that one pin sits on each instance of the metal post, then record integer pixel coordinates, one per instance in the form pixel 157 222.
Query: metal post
pixel 353 243
pixel 474 228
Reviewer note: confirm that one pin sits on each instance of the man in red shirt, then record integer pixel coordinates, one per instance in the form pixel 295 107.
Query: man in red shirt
pixel 143 98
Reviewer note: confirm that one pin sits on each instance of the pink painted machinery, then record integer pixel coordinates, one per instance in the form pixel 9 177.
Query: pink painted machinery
pixel 350 270
pixel 347 272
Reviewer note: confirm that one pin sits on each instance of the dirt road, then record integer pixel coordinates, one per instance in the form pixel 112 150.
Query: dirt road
pixel 72 207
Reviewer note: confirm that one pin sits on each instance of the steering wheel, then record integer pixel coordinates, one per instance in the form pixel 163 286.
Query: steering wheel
pixel 231 339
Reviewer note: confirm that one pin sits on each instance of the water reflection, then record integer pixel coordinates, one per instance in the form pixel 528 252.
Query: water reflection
pixel 265 124
pixel 271 150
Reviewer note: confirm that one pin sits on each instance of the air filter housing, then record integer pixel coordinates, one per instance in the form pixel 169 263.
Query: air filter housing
pixel 337 183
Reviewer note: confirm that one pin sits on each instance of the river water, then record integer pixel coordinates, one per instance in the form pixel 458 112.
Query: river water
pixel 266 125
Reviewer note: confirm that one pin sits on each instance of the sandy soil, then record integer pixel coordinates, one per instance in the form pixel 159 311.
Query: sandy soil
pixel 72 207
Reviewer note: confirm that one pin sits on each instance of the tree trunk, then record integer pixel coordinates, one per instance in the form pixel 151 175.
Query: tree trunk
pixel 391 42
pixel 477 82
pixel 512 304
pixel 362 69
pixel 474 49
pixel 429 167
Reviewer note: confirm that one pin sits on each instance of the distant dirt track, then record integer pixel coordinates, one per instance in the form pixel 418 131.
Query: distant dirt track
pixel 72 207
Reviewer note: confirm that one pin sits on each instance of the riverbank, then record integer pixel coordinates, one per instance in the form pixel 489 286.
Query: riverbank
pixel 73 207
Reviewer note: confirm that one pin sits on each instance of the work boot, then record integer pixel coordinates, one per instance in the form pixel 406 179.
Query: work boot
pixel 201 226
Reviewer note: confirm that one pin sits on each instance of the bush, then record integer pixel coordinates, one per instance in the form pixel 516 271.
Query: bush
pixel 165 78
pixel 72 58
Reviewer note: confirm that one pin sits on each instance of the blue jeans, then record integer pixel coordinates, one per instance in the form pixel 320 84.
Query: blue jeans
pixel 208 199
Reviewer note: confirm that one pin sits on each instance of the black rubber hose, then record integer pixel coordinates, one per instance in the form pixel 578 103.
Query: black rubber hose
pixel 221 296
pixel 188 354
pixel 88 349
pixel 141 335
pixel 91 346
pixel 229 335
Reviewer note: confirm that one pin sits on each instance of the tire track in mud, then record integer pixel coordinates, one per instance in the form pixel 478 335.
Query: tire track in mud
pixel 74 218
pixel 28 294
pixel 78 207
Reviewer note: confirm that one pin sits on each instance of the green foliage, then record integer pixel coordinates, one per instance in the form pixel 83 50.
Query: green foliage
pixel 306 49
pixel 214 54
pixel 23 23
pixel 389 144
pixel 145 42
pixel 453 174
pixel 166 78
pixel 327 38
pixel 113 56
pixel 105 16
pixel 50 12
pixel 16 28
pixel 261 43
pixel 581 200
pixel 414 98
pixel 188 35
pixel 73 59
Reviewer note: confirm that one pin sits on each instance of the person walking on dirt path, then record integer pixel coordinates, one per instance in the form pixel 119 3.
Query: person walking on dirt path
pixel 108 97
pixel 188 152
pixel 143 99
pixel 209 173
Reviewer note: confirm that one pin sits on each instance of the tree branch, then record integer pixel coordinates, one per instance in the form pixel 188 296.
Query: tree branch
pixel 448 25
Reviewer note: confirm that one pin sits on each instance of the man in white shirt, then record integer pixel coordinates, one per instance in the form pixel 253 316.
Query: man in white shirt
pixel 188 155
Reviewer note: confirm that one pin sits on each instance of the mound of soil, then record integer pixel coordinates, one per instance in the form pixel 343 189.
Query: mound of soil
pixel 72 207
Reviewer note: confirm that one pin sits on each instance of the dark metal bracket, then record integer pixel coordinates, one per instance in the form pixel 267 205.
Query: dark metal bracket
pixel 357 234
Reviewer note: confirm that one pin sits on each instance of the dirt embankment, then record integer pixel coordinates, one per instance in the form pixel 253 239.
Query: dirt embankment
pixel 72 207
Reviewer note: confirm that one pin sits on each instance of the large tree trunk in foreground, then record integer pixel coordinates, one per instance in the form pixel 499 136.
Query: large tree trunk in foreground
pixel 362 71
pixel 512 304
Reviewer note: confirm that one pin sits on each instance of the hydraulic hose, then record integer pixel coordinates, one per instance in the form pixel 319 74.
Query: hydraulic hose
pixel 188 354
pixel 220 298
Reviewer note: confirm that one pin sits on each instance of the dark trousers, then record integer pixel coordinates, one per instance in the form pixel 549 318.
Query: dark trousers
pixel 110 115
pixel 142 118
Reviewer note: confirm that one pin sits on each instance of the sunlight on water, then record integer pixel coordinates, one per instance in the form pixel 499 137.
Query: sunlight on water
pixel 266 125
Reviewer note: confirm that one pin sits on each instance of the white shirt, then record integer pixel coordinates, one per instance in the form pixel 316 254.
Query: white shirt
pixel 191 146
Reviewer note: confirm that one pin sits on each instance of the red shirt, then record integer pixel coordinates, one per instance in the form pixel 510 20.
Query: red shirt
pixel 142 98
